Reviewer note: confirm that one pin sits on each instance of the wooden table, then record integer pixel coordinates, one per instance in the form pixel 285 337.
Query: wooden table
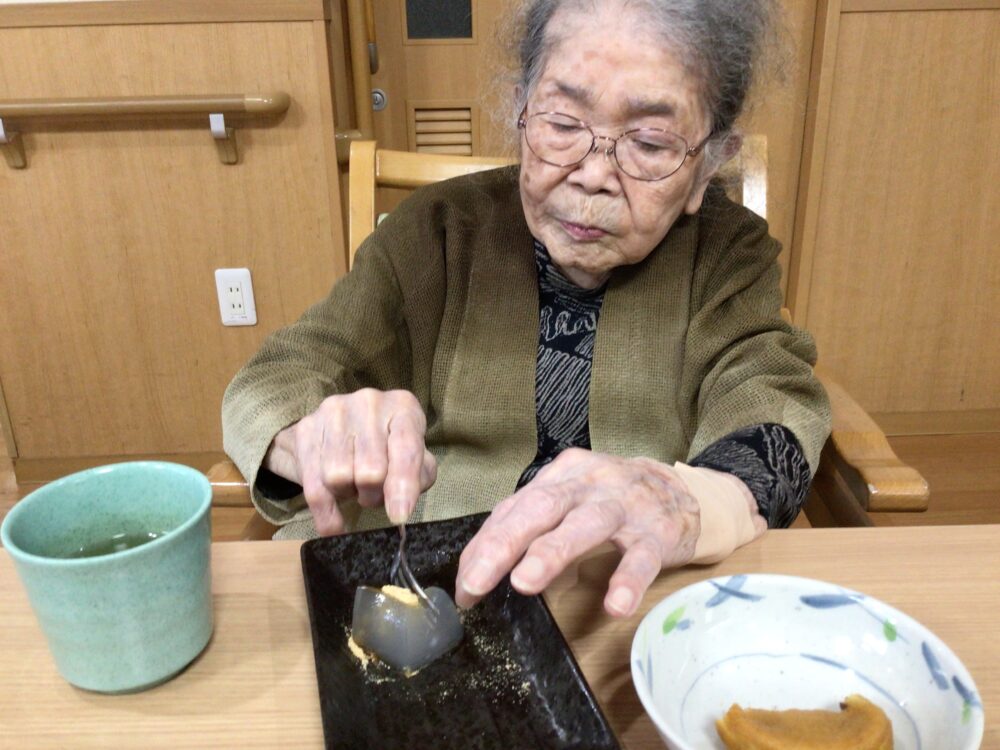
pixel 255 685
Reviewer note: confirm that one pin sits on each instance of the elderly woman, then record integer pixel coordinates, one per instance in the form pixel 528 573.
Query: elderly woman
pixel 588 345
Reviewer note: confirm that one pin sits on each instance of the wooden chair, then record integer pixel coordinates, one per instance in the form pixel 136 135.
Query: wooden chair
pixel 373 168
pixel 859 473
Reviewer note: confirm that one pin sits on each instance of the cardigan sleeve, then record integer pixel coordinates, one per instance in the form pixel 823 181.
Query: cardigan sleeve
pixel 354 338
pixel 744 365
pixel 379 327
pixel 770 462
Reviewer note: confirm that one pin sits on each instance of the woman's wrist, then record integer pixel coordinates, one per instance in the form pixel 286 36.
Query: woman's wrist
pixel 728 511
pixel 280 458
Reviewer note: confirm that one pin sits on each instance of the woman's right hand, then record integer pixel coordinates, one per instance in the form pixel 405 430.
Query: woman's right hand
pixel 367 445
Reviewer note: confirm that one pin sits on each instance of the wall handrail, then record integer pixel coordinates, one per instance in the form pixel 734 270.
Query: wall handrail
pixel 270 103
pixel 216 106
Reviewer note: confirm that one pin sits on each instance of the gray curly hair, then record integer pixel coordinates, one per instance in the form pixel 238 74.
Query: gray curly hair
pixel 726 44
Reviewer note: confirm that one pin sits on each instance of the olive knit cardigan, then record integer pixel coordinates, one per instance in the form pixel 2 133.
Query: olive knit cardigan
pixel 443 301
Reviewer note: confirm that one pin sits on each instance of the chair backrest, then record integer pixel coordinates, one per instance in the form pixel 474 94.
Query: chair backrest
pixel 747 174
pixel 372 168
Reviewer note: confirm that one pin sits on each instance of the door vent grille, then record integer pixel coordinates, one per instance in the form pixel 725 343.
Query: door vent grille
pixel 443 130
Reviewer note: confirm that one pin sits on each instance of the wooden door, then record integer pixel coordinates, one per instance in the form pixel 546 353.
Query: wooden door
pixel 442 92
pixel 898 271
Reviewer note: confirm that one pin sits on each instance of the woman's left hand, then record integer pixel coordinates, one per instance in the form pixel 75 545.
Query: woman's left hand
pixel 579 501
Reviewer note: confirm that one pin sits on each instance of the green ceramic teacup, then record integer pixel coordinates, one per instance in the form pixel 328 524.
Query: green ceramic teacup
pixel 119 615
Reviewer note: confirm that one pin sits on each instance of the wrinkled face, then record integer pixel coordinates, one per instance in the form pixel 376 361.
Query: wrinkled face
pixel 607 70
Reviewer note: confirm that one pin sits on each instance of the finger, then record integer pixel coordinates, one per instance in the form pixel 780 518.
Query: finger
pixel 583 529
pixel 500 543
pixel 406 462
pixel 428 471
pixel 639 566
pixel 501 509
pixel 337 455
pixel 322 503
pixel 558 470
pixel 462 597
pixel 371 459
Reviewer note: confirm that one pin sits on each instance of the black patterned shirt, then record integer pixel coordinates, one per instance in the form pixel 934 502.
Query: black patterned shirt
pixel 768 458
pixel 567 326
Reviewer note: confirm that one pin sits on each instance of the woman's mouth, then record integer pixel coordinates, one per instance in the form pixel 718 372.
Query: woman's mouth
pixel 582 233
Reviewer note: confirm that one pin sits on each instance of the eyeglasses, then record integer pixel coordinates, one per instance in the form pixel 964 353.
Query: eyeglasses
pixel 648 154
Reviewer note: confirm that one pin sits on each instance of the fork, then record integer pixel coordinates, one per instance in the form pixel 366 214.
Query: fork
pixel 401 574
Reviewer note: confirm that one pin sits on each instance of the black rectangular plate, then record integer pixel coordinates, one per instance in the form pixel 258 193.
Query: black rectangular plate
pixel 511 683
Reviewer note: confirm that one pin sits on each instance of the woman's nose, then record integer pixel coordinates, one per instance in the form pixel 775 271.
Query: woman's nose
pixel 598 172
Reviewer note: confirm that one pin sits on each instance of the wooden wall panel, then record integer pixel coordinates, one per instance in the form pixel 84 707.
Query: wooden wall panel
pixel 110 339
pixel 905 271
pixel 778 112
pixel 107 12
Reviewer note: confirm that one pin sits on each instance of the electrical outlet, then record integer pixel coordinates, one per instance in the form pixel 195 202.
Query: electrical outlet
pixel 235 291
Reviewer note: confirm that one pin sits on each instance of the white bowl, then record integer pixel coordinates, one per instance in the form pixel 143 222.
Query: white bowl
pixel 777 642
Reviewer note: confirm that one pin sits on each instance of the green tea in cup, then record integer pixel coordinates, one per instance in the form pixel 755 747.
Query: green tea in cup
pixel 115 543
pixel 115 561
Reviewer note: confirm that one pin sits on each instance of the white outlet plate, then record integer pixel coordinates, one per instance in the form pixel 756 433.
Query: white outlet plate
pixel 235 291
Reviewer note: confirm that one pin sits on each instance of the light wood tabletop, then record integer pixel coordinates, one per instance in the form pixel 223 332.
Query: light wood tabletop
pixel 255 684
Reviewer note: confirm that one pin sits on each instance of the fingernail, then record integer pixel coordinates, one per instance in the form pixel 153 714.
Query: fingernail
pixel 397 511
pixel 621 601
pixel 528 574
pixel 477 580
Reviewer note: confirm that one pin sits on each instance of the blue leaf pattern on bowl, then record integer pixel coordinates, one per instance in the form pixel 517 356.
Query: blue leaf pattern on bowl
pixel 934 666
pixel 969 699
pixel 646 673
pixel 830 601
pixel 649 671
pixel 731 589
pixel 967 695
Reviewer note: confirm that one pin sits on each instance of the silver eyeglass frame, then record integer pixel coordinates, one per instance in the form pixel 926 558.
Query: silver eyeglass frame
pixel 690 151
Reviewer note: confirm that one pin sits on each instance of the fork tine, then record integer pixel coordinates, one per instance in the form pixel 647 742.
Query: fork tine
pixel 394 568
pixel 411 582
pixel 407 574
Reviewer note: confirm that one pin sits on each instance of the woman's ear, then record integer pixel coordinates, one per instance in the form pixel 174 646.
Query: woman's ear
pixel 697 194
pixel 712 162
pixel 730 148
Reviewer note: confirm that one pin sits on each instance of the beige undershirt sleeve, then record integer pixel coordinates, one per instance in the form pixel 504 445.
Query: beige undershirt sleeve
pixel 729 515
